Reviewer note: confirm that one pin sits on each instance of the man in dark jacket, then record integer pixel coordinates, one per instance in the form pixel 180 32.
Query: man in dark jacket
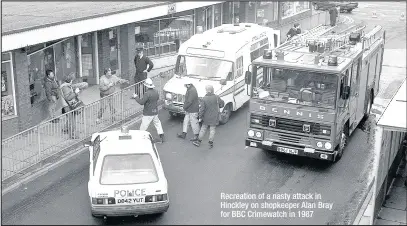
pixel 209 114
pixel 150 110
pixel 191 107
pixel 296 30
pixel 52 92
pixel 141 62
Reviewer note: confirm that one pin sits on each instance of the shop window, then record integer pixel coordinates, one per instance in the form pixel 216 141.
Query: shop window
pixel 293 8
pixel 251 13
pixel 227 13
pixel 146 35
pixel 217 15
pixel 173 32
pixel 113 47
pixel 65 58
pixel 37 64
pixel 8 101
pixel 204 17
pixel 87 55
pixel 237 12
pixel 60 57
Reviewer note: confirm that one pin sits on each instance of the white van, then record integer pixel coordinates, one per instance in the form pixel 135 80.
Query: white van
pixel 218 57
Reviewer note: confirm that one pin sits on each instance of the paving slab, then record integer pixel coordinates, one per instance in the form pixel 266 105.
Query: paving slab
pixel 393 215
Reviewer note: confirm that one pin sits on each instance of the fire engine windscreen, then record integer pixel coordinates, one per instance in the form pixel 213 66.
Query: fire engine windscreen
pixel 204 68
pixel 128 169
pixel 297 87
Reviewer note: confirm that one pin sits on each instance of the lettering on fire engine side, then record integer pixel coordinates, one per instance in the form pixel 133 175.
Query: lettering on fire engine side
pixel 298 113
pixel 130 193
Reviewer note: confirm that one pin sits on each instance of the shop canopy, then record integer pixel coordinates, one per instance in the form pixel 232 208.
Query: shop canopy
pixel 30 23
pixel 394 116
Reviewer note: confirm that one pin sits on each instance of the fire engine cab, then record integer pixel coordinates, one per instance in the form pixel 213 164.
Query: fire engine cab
pixel 309 95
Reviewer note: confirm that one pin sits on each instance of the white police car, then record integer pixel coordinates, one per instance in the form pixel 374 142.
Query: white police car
pixel 126 177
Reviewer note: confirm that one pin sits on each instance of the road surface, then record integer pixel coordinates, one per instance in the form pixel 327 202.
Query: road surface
pixel 388 16
pixel 198 176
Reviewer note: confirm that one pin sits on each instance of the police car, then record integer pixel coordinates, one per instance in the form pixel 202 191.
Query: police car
pixel 126 177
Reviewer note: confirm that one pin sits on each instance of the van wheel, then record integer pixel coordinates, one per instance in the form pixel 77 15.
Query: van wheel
pixel 341 146
pixel 225 115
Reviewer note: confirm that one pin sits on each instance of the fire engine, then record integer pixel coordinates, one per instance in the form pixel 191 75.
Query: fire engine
pixel 308 95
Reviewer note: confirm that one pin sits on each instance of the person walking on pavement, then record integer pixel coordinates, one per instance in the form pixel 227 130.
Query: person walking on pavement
pixel 295 30
pixel 191 107
pixel 150 110
pixel 141 62
pixel 52 92
pixel 71 103
pixel 333 14
pixel 107 86
pixel 209 115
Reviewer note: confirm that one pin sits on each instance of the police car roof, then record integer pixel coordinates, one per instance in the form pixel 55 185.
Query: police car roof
pixel 302 59
pixel 228 38
pixel 116 142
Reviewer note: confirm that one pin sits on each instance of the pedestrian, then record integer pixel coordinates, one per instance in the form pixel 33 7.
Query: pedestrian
pixel 209 115
pixel 141 62
pixel 191 108
pixel 52 92
pixel 295 30
pixel 333 14
pixel 71 103
pixel 150 110
pixel 106 87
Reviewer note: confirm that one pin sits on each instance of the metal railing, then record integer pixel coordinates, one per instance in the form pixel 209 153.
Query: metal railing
pixel 42 141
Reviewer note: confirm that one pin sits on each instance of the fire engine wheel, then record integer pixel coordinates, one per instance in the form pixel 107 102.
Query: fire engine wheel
pixel 225 115
pixel 341 146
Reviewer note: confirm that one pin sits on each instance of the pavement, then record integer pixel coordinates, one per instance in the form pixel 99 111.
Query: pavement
pixel 394 208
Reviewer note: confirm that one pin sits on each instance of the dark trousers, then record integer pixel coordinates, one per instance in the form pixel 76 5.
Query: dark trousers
pixel 105 103
pixel 70 121
pixel 139 88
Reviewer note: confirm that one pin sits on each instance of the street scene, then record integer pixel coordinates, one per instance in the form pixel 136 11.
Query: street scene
pixel 255 153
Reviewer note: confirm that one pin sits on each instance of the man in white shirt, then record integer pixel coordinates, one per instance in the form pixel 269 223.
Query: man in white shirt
pixel 107 86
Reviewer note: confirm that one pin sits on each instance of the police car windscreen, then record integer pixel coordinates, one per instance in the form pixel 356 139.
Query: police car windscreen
pixel 128 169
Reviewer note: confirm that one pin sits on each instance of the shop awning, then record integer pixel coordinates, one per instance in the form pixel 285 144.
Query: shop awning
pixel 47 25
pixel 394 116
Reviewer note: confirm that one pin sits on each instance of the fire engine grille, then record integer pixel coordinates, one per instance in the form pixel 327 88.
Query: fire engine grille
pixel 288 138
pixel 289 125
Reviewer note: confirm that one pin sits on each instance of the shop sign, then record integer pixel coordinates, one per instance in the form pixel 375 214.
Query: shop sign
pixel 171 8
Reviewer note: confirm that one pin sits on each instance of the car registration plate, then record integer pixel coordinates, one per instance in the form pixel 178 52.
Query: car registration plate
pixel 287 150
pixel 130 201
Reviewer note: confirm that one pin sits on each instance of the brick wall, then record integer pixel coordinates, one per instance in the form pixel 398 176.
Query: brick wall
pixel 127 51
pixel 103 50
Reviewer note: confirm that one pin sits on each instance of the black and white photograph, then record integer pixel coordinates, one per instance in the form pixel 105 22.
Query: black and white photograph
pixel 203 112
